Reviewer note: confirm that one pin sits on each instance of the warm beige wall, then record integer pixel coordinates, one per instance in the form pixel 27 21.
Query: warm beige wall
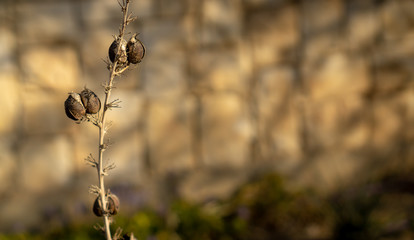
pixel 320 90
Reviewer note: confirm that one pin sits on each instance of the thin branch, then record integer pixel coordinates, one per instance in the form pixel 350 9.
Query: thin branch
pixel 118 234
pixel 90 160
pixel 114 104
pixel 118 72
pixel 94 189
pixel 108 167
pixel 114 70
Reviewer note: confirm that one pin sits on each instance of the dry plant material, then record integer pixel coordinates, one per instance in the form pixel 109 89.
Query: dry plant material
pixel 135 49
pixel 121 56
pixel 112 205
pixel 90 101
pixel 77 106
pixel 86 107
pixel 74 107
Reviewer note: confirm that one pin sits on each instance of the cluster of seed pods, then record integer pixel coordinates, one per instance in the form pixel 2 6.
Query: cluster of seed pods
pixel 132 51
pixel 77 105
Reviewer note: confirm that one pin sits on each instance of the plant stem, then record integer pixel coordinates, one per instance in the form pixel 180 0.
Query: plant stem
pixel 101 179
pixel 102 125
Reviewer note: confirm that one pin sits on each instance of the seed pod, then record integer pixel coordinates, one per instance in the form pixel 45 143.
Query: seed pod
pixel 74 108
pixel 113 204
pixel 130 237
pixel 90 101
pixel 122 57
pixel 97 207
pixel 135 50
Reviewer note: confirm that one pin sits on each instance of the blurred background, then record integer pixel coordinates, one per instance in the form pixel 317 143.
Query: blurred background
pixel 247 119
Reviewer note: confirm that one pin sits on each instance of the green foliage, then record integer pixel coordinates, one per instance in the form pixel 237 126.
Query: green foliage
pixel 72 232
pixel 265 209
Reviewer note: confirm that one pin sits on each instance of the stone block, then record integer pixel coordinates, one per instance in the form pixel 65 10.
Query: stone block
pixel 397 19
pixel 54 68
pixel 278 119
pixel 392 76
pixel 46 22
pixel 162 36
pixel 338 123
pixel 321 15
pixel 363 30
pixel 169 134
pixel 218 70
pixel 127 155
pixel 338 75
pixel 389 123
pixel 101 12
pixel 84 140
pixel 9 163
pixel 221 21
pixel 11 99
pixel 320 46
pixel 144 9
pixel 7 49
pixel 46 163
pixel 275 86
pixel 226 131
pixel 165 74
pixel 131 110
pixel 172 9
pixel 354 124
pixel 44 112
pixel 274 34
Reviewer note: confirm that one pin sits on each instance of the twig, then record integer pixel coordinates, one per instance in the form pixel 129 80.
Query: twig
pixel 103 127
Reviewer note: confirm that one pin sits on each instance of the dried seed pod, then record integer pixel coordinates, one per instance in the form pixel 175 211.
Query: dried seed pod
pixel 90 101
pixel 74 108
pixel 97 207
pixel 130 237
pixel 113 204
pixel 135 50
pixel 122 57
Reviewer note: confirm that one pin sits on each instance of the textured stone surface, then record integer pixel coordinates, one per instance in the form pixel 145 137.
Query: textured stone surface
pixel 168 127
pixel 11 110
pixel 274 34
pixel 47 163
pixel 9 163
pixel 320 91
pixel 219 70
pixel 47 22
pixel 220 21
pixel 225 130
pixel 42 115
pixel 54 68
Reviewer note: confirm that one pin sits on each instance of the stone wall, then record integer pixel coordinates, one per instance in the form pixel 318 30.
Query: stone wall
pixel 320 91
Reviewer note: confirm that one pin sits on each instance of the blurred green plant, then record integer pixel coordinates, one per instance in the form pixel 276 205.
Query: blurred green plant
pixel 265 208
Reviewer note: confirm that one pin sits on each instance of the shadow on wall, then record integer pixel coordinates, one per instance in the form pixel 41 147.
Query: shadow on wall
pixel 318 91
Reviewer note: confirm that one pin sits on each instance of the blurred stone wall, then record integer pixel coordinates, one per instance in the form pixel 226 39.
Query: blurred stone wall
pixel 318 90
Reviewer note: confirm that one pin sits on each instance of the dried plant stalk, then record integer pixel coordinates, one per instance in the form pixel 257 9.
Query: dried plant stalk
pixel 115 69
pixel 86 106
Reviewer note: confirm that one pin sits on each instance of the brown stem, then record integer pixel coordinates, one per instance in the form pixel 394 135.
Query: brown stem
pixel 101 126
